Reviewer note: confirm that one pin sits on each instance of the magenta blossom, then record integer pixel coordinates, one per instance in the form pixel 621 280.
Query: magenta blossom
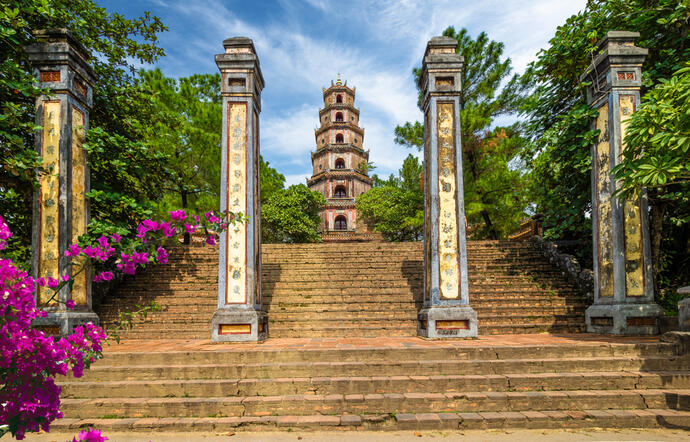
pixel 103 242
pixel 211 240
pixel 211 217
pixel 189 228
pixel 90 435
pixel 168 230
pixel 5 233
pixel 73 250
pixel 162 255
pixel 70 304
pixel 116 238
pixel 103 276
pixel 52 282
pixel 178 215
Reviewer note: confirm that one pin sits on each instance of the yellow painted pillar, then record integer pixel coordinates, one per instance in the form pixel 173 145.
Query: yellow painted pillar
pixel 61 212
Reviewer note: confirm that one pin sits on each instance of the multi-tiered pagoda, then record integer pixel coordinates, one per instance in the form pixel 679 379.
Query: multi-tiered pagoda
pixel 340 164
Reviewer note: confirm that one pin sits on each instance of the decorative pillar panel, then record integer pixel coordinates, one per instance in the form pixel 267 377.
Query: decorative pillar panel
pixel 61 212
pixel 623 286
pixel 446 312
pixel 239 316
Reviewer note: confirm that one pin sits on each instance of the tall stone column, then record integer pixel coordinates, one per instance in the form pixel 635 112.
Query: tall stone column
pixel 239 316
pixel 623 286
pixel 61 211
pixel 446 312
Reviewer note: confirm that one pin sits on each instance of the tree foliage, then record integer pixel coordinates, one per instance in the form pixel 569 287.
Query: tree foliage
pixel 185 128
pixel 559 120
pixel 126 173
pixel 492 187
pixel 395 207
pixel 292 215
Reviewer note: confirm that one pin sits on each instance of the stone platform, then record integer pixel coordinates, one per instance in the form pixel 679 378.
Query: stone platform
pixel 393 383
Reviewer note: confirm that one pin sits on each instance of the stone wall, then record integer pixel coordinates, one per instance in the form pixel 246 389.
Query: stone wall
pixel 568 265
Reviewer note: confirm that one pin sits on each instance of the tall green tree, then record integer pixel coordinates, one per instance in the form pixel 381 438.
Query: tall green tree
pixel 492 187
pixel 186 128
pixel 292 215
pixel 395 207
pixel 271 180
pixel 558 120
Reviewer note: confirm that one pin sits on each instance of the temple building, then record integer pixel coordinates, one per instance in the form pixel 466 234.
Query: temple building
pixel 340 164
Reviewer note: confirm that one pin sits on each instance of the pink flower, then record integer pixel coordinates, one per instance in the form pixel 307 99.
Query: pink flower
pixel 52 282
pixel 70 304
pixel 210 217
pixel 5 233
pixel 116 238
pixel 103 276
pixel 90 435
pixel 211 240
pixel 73 250
pixel 162 255
pixel 196 218
pixel 178 215
pixel 189 228
pixel 103 242
pixel 168 230
pixel 65 278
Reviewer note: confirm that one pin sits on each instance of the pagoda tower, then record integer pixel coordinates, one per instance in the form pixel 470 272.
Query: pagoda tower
pixel 340 164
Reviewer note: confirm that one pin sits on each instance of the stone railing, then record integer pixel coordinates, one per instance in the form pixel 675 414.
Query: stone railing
pixel 568 265
pixel 528 229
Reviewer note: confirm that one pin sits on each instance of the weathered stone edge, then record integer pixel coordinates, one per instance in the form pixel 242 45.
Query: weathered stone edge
pixel 568 265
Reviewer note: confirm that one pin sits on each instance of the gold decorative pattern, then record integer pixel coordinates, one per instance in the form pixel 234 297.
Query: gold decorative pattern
pixel 603 204
pixel 236 277
pixel 235 329
pixel 634 279
pixel 448 209
pixel 49 258
pixel 78 197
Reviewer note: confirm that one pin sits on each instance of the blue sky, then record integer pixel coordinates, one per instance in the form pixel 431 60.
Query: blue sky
pixel 302 45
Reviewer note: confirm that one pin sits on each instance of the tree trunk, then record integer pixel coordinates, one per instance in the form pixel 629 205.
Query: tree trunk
pixel 656 226
pixel 187 238
pixel 489 225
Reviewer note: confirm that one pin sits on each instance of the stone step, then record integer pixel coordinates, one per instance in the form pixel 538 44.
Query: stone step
pixel 213 368
pixel 201 388
pixel 411 402
pixel 594 418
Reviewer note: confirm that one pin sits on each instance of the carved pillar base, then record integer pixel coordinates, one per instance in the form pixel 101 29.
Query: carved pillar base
pixel 624 319
pixel 64 321
pixel 232 325
pixel 447 322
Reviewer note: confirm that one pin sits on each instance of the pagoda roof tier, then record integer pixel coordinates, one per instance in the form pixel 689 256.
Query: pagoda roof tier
pixel 339 125
pixel 338 106
pixel 340 148
pixel 340 203
pixel 338 87
pixel 339 173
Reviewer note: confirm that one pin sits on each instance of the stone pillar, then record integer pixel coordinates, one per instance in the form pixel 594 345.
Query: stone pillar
pixel 239 316
pixel 61 211
pixel 446 312
pixel 623 286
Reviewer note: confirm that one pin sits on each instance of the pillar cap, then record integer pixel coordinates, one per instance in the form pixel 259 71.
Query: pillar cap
pixel 239 45
pixel 441 45
pixel 616 48
pixel 58 46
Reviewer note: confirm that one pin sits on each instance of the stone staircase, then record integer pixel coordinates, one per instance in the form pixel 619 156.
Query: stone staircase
pixel 383 384
pixel 352 289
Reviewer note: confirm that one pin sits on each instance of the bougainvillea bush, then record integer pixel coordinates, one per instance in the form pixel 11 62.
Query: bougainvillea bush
pixel 29 359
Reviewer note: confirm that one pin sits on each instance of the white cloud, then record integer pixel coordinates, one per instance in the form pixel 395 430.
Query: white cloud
pixel 386 39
